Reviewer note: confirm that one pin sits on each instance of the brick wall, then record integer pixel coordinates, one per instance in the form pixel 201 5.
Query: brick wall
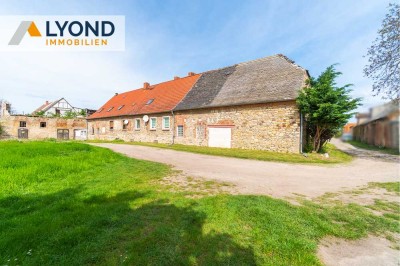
pixel 11 125
pixel 273 126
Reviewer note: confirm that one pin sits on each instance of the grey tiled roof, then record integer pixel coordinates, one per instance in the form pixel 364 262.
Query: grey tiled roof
pixel 270 79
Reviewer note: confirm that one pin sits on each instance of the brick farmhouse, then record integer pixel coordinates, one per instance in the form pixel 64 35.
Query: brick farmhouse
pixel 249 105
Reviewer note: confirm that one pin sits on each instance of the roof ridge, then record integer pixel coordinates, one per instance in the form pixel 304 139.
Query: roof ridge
pixel 290 61
pixel 256 60
pixel 151 85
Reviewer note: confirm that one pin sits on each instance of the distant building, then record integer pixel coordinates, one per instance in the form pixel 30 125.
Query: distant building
pixel 348 128
pixel 59 108
pixel 380 126
pixel 5 108
pixel 347 132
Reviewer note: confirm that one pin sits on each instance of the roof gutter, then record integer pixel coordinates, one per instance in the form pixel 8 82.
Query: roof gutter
pixel 301 132
pixel 173 127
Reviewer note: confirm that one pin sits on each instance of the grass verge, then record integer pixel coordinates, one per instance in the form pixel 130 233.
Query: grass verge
pixel 335 155
pixel 373 148
pixel 74 204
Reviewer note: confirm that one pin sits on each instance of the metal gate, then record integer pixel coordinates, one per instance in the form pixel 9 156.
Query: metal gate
pixel 63 134
pixel 22 133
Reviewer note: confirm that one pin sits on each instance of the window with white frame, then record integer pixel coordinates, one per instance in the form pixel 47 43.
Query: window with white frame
pixel 165 123
pixel 180 131
pixel 137 124
pixel 153 123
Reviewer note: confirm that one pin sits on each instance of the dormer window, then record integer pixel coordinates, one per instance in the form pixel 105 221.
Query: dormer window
pixel 122 106
pixel 110 109
pixel 149 101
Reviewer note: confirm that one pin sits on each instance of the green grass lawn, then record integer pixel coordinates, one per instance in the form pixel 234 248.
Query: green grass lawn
pixel 75 204
pixel 373 148
pixel 335 155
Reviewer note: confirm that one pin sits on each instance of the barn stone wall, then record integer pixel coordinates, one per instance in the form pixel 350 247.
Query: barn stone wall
pixel 272 126
pixel 11 125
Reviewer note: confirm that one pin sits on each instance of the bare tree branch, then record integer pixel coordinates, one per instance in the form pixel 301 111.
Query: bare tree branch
pixel 384 56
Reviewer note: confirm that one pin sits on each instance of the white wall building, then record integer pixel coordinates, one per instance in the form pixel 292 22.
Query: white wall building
pixel 58 107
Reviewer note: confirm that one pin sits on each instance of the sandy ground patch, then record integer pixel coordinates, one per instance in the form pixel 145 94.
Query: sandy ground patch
pixel 196 187
pixel 369 251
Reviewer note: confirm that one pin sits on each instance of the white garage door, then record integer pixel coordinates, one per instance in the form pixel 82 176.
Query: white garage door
pixel 219 137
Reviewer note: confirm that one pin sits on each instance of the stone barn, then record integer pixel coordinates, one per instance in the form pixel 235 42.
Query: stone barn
pixel 35 128
pixel 250 105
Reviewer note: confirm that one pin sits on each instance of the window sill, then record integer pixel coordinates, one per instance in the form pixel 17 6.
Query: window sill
pixel 153 129
pixel 166 129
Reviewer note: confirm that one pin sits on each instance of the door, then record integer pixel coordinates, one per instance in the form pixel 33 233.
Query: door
pixel 63 134
pixel 219 137
pixel 80 134
pixel 22 133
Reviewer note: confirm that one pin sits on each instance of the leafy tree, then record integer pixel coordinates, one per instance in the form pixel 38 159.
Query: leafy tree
pixel 82 112
pixel 40 113
pixel 50 114
pixel 384 56
pixel 70 114
pixel 326 107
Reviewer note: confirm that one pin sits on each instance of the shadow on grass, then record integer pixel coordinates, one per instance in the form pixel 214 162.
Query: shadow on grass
pixel 72 228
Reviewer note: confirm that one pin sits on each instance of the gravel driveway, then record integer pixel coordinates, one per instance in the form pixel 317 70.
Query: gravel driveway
pixel 280 180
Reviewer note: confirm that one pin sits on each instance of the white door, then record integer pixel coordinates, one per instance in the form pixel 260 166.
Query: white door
pixel 80 134
pixel 219 137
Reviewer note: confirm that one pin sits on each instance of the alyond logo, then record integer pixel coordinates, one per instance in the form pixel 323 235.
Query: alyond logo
pixel 25 26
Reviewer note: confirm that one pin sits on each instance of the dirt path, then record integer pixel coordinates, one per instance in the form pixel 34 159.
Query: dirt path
pixel 280 180
pixel 362 153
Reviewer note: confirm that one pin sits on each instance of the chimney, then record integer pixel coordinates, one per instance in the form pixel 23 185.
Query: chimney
pixel 146 85
pixel 47 102
pixel 116 93
pixel 191 74
pixel 176 77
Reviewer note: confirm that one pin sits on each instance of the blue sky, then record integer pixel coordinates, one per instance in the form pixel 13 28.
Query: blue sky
pixel 169 38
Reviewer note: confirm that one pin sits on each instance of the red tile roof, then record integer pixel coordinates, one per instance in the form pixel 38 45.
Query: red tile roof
pixel 165 97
